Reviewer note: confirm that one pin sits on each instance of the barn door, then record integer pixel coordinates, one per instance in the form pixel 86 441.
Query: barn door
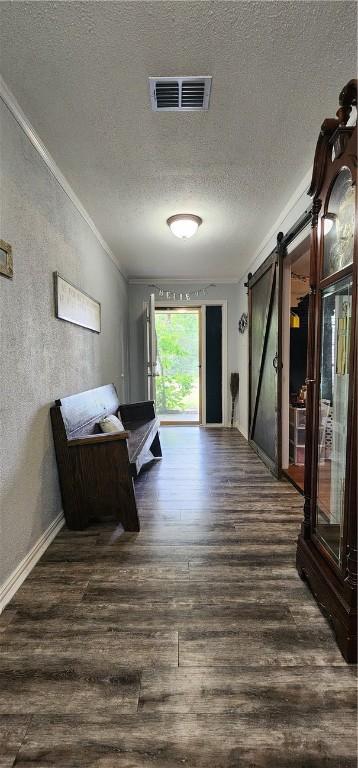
pixel 265 362
pixel 150 347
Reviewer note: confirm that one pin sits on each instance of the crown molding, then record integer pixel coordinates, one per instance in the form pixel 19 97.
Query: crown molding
pixel 207 281
pixel 299 192
pixel 9 100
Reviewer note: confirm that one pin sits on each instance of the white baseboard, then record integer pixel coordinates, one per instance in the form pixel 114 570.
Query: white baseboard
pixel 13 583
pixel 242 431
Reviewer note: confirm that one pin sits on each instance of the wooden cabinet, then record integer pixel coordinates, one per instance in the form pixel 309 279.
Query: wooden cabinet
pixel 327 545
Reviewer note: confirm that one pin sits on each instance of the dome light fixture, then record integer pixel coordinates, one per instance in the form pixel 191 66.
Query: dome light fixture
pixel 184 225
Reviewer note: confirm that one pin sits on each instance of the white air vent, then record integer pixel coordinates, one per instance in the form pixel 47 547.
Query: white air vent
pixel 179 94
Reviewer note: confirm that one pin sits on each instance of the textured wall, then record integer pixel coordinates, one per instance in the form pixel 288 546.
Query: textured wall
pixel 139 293
pixel 41 357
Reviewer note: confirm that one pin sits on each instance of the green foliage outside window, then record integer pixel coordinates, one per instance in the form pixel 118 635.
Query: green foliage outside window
pixel 177 360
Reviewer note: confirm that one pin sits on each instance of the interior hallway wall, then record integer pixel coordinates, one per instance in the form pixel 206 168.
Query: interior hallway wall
pixel 139 293
pixel 43 358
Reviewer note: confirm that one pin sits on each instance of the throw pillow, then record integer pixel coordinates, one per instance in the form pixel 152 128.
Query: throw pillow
pixel 111 424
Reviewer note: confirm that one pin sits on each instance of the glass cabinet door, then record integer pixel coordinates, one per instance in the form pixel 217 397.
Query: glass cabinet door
pixel 336 313
pixel 339 223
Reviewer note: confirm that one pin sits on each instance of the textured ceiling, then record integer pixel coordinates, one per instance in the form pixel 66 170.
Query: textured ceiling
pixel 79 71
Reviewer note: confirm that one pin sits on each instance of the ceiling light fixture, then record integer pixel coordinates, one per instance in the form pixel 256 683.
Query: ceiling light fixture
pixel 184 225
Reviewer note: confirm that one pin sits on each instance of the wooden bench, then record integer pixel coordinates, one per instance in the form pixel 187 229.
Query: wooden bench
pixel 97 469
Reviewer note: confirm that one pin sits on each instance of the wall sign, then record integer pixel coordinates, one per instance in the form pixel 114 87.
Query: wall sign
pixel 181 295
pixel 6 266
pixel 76 306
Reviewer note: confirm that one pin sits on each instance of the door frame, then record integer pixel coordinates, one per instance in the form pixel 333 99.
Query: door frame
pixel 298 238
pixel 202 303
pixel 298 246
pixel 150 347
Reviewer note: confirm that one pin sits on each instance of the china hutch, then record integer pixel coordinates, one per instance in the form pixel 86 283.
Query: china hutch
pixel 327 544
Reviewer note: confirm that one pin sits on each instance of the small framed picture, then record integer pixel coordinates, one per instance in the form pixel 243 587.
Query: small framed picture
pixel 6 267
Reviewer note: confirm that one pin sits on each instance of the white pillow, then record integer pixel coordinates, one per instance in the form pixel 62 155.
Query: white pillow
pixel 111 424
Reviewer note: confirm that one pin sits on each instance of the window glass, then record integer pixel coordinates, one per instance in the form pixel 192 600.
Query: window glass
pixel 333 407
pixel 338 224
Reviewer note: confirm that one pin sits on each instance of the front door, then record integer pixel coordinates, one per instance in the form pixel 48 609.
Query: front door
pixel 265 366
pixel 150 347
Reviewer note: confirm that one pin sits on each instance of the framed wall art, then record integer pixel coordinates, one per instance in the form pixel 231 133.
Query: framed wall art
pixel 6 264
pixel 75 306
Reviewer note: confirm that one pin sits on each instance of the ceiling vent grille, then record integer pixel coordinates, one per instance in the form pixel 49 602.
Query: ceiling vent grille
pixel 179 94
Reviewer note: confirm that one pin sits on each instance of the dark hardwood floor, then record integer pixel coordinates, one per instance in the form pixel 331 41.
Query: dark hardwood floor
pixel 193 643
pixel 296 472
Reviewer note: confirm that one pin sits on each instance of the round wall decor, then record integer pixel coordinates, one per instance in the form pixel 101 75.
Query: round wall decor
pixel 243 322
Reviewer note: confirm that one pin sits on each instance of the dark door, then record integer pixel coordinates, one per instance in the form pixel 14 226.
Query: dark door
pixel 265 363
pixel 213 373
